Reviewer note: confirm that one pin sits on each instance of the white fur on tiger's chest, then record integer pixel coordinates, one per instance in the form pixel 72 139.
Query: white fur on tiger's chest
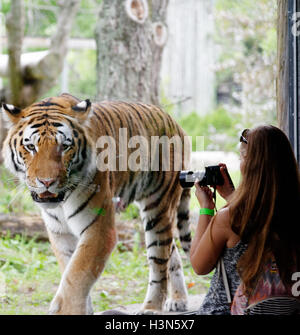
pixel 73 215
pixel 55 220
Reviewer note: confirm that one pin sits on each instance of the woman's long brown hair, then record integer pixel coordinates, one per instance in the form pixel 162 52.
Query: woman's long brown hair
pixel 264 210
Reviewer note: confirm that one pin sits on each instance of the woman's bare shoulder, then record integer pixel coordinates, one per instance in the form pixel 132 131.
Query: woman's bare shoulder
pixel 223 216
pixel 223 222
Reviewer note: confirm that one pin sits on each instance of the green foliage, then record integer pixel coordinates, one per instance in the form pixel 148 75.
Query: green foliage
pixel 30 276
pixel 15 197
pixel 130 213
pixel 86 18
pixel 41 17
pixel 30 273
pixel 246 65
pixel 269 42
pixel 82 76
pixel 240 7
pixel 219 128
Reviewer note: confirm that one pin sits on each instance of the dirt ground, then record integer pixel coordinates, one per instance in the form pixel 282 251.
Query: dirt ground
pixel 194 304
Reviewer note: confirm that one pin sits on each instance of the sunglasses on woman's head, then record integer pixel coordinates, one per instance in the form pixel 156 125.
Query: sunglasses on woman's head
pixel 243 136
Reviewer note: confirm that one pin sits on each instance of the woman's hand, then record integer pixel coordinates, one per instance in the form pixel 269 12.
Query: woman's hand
pixel 227 188
pixel 204 196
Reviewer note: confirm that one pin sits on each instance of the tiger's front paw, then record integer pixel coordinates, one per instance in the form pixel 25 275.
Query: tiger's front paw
pixel 148 312
pixel 56 305
pixel 61 305
pixel 179 305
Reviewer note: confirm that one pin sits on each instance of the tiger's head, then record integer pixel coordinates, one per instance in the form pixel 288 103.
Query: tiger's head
pixel 48 146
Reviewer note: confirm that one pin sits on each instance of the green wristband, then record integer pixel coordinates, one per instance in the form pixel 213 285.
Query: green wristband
pixel 207 211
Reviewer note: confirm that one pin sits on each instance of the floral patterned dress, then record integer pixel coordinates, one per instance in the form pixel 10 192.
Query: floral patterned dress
pixel 268 285
pixel 215 301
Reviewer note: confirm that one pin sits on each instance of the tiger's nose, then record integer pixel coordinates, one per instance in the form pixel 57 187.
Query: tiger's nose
pixel 47 181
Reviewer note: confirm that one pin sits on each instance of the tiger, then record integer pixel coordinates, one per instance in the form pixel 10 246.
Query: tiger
pixel 52 146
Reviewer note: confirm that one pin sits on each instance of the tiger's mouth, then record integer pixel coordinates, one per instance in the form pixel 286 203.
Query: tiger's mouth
pixel 48 197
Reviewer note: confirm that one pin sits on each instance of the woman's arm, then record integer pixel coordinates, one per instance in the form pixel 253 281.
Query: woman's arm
pixel 208 242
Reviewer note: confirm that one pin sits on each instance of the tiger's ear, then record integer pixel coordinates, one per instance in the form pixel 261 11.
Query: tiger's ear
pixel 11 113
pixel 82 108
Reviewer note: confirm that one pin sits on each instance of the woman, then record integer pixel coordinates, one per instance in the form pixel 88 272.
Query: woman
pixel 260 220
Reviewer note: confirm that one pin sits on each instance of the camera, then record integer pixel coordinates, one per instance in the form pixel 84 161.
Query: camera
pixel 211 176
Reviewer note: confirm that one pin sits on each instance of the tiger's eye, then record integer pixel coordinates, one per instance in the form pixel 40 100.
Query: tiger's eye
pixel 30 147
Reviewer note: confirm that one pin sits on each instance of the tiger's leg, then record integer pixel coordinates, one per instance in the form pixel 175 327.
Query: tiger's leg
pixel 63 246
pixel 158 244
pixel 178 288
pixel 178 291
pixel 158 224
pixel 86 264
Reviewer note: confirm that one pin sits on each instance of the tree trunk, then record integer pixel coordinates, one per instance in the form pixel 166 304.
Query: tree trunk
pixel 15 31
pixel 129 49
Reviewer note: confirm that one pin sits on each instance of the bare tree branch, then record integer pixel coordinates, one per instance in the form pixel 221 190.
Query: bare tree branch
pixel 15 32
pixel 49 67
pixel 64 25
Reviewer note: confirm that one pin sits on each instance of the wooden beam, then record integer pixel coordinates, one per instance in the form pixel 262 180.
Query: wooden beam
pixel 44 42
pixel 282 66
pixel 27 59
